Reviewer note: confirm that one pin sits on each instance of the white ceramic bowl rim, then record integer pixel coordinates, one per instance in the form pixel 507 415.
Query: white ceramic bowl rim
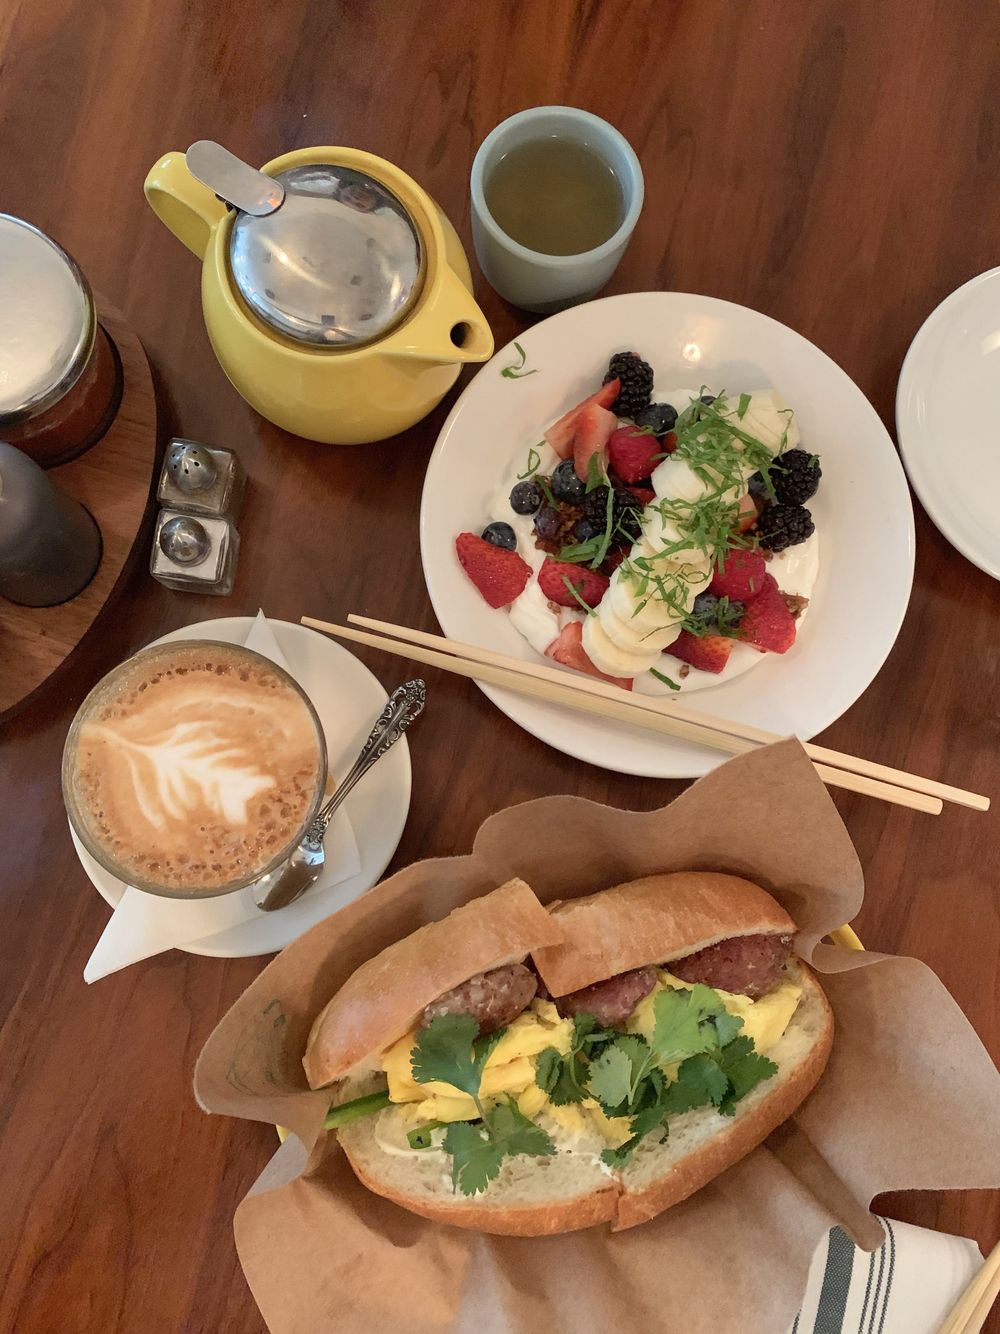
pixel 585 119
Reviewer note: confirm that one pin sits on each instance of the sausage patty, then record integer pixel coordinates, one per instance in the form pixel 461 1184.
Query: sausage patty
pixel 610 1002
pixel 493 999
pixel 747 965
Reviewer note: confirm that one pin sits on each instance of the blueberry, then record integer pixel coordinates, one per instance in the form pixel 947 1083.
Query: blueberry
pixel 705 604
pixel 500 535
pixel 757 486
pixel 584 530
pixel 547 522
pixel 525 498
pixel 658 418
pixel 566 486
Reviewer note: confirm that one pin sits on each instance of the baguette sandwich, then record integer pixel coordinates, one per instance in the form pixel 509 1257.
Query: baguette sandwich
pixel 525 1071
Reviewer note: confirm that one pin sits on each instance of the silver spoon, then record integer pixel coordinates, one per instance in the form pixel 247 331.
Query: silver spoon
pixel 295 876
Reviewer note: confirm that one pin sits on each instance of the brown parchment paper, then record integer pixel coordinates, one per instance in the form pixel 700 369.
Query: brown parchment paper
pixel 910 1098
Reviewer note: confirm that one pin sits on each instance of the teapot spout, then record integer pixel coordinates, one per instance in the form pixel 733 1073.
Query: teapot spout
pixel 450 328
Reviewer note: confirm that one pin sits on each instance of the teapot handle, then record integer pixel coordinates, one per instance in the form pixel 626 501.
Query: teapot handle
pixel 450 328
pixel 189 209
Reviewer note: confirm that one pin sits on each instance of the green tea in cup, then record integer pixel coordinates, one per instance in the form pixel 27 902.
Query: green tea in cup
pixel 555 195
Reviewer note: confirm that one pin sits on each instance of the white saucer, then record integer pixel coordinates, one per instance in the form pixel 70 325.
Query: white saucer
pixel 348 699
pixel 947 406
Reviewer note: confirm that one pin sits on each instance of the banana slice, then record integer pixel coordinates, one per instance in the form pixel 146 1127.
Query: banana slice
pixel 767 418
pixel 658 533
pixel 644 610
pixel 625 634
pixel 673 480
pixel 609 658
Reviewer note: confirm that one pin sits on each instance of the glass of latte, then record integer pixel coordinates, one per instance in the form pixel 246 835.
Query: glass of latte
pixel 193 769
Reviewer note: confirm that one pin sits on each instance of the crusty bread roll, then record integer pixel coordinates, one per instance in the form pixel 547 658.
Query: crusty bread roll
pixel 383 998
pixel 653 920
pixel 533 1197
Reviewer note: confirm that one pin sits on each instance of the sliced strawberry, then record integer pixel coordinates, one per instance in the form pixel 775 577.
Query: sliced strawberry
pixel 591 585
pixel 767 623
pixel 593 429
pixel 568 649
pixel 748 513
pixel 560 434
pixel 633 453
pixel 613 559
pixel 740 576
pixel 709 653
pixel 500 575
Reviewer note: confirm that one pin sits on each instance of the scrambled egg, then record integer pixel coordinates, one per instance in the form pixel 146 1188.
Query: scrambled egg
pixel 764 1020
pixel 510 1070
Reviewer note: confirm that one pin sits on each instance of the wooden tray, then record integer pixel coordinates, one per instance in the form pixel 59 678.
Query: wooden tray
pixel 113 479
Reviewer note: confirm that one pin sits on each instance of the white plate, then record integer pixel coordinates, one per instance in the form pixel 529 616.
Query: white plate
pixel 947 405
pixel 348 699
pixel 863 511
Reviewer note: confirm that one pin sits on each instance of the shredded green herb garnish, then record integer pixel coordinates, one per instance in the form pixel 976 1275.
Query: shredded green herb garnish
pixel 516 370
pixel 534 461
pixel 666 680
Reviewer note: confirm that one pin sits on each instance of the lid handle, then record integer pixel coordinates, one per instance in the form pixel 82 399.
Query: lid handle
pixel 234 180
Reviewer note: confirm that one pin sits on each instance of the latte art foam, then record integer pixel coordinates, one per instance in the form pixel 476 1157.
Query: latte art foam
pixel 197 768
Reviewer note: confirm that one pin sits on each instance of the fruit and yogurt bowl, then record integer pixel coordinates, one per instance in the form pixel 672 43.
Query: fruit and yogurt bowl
pixel 659 540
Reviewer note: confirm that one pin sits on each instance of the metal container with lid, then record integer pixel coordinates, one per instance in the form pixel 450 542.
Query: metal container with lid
pixel 336 293
pixel 59 379
pixel 323 254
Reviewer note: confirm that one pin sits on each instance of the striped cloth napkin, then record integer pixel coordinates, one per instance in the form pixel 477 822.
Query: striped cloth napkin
pixel 907 1286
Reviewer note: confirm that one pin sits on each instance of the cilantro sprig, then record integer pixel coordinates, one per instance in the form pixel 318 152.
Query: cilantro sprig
pixel 450 1050
pixel 624 1073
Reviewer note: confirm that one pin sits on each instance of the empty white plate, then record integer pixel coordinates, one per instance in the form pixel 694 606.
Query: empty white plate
pixel 947 408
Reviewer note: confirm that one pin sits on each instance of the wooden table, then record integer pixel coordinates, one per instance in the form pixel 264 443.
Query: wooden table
pixel 836 165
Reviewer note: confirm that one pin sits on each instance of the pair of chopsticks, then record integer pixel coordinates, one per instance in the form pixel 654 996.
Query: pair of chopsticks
pixel 604 700
pixel 974 1305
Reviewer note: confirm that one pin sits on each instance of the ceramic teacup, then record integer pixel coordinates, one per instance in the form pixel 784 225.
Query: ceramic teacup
pixel 528 278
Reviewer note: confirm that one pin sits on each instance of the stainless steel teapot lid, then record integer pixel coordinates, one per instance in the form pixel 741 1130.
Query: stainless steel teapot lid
pixel 322 253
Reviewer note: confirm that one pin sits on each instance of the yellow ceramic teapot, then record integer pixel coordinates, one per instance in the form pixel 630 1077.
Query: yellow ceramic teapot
pixel 336 293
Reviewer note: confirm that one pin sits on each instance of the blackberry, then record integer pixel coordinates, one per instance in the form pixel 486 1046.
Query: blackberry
pixel 525 497
pixel 624 514
pixel 627 512
pixel 782 526
pixel 636 387
pixel 595 507
pixel 585 530
pixel 658 418
pixel 500 535
pixel 566 486
pixel 795 477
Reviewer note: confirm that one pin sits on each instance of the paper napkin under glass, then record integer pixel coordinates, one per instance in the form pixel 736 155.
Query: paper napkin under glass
pixel 908 1286
pixel 146 924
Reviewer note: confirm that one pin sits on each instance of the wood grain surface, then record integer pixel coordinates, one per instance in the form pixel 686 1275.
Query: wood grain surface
pixel 114 480
pixel 835 165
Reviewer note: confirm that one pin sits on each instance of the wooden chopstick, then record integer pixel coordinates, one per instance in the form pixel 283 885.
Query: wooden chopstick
pixel 973 1306
pixel 756 735
pixel 558 691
